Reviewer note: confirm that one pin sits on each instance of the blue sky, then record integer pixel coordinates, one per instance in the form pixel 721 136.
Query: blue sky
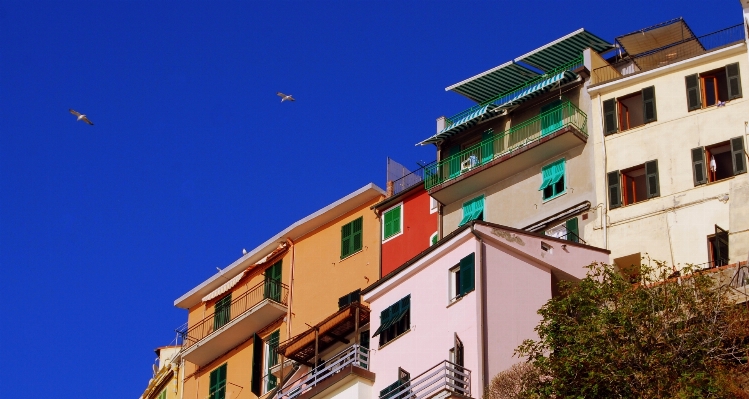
pixel 192 156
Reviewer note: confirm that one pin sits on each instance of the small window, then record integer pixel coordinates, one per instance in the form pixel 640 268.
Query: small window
pixel 566 231
pixel 349 299
pixel 718 247
pixel 630 111
pixel 713 87
pixel 271 359
pixel 217 383
pixel 222 312
pixel 433 205
pixel 434 238
pixel 462 278
pixel 473 210
pixel 633 185
pixel 394 321
pixel 392 222
pixel 718 161
pixel 547 248
pixel 162 395
pixel 351 237
pixel 553 181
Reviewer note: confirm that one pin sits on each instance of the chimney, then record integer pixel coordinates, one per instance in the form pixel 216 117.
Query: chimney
pixel 441 122
pixel 390 189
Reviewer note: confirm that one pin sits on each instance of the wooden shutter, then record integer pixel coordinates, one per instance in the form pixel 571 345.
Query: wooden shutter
pixel 721 243
pixel 615 189
pixel 694 98
pixel 346 240
pixel 651 179
pixel 573 233
pixel 395 226
pixel 356 234
pixel 609 117
pixel 734 81
pixel 467 274
pixel 648 104
pixel 698 166
pixel 737 150
pixel 256 382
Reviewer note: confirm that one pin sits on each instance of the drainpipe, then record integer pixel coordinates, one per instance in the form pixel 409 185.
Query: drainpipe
pixel 291 289
pixel 604 213
pixel 481 288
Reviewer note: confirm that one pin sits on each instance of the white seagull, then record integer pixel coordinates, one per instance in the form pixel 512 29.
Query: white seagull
pixel 81 117
pixel 285 97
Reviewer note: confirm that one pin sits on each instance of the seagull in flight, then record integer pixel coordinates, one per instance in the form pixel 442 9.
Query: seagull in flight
pixel 81 117
pixel 285 97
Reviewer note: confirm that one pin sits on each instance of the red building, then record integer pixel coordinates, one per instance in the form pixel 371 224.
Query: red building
pixel 408 220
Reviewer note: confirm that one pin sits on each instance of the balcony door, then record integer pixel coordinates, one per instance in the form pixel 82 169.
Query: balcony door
pixel 551 118
pixel 273 282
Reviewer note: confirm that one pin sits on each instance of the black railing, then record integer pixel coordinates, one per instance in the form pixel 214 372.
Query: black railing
pixel 410 180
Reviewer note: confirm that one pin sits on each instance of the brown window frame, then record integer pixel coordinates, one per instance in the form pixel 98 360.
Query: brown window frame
pixel 626 179
pixel 708 156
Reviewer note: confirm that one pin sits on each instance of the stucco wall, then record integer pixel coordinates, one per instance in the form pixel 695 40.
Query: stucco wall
pixel 356 388
pixel 418 226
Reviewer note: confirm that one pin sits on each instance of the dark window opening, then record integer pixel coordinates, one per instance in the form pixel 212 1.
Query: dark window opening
pixel 630 111
pixel 714 87
pixel 394 320
pixel 718 247
pixel 720 165
pixel 633 182
pixel 350 298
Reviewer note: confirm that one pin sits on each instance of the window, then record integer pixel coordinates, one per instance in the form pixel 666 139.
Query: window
pixel 434 238
pixel 349 299
pixel 553 180
pixel 400 388
pixel 271 359
pixel 633 185
pixel 718 247
pixel 462 278
pixel 351 237
pixel 394 321
pixel 718 161
pixel 566 231
pixel 273 281
pixel 392 221
pixel 256 380
pixel 634 110
pixel 473 210
pixel 222 312
pixel 162 395
pixel 217 385
pixel 433 205
pixel 713 87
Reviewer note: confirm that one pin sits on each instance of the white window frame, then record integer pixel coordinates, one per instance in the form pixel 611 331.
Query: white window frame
pixel 400 233
pixel 434 205
pixel 452 289
pixel 431 237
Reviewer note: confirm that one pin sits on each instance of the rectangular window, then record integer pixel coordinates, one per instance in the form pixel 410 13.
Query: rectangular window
pixel 433 240
pixel 222 312
pixel 217 386
pixel 400 389
pixel 566 231
pixel 718 161
pixel 713 87
pixel 462 278
pixel 271 359
pixel 349 299
pixel 718 247
pixel 433 205
pixel 629 111
pixel 273 281
pixel 162 395
pixel 394 320
pixel 553 179
pixel 351 237
pixel 473 210
pixel 636 184
pixel 393 221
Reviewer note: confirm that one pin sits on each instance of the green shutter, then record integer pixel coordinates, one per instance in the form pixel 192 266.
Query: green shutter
pixel 273 339
pixel 472 210
pixel 467 274
pixel 217 383
pixel 256 381
pixel 345 240
pixel 734 81
pixel 615 189
pixel 222 312
pixel 384 321
pixel 487 146
pixel 694 98
pixel 356 235
pixel 435 238
pixel 648 104
pixel 573 233
pixel 273 281
pixel 552 174
pixel 392 222
pixel 698 166
pixel 737 150
pixel 609 117
pixel 651 179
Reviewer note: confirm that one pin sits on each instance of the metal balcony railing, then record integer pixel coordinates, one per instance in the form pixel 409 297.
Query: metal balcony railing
pixel 502 98
pixel 670 54
pixel 411 179
pixel 502 143
pixel 445 375
pixel 355 355
pixel 269 289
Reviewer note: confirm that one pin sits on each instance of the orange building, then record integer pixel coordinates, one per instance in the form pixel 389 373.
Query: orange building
pixel 238 317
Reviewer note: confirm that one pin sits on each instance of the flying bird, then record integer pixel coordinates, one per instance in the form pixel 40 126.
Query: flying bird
pixel 285 97
pixel 81 117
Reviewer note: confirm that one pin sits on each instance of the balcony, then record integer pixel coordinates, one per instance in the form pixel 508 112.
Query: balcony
pixel 445 380
pixel 222 331
pixel 506 153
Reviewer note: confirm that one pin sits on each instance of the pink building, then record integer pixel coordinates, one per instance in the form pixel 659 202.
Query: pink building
pixel 451 318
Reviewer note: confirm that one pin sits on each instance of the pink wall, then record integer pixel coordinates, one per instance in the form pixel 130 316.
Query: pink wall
pixel 418 227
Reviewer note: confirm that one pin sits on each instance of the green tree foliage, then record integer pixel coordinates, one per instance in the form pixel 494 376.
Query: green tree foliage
pixel 661 337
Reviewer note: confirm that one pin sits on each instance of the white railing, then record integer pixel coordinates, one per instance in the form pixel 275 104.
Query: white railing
pixel 355 355
pixel 445 375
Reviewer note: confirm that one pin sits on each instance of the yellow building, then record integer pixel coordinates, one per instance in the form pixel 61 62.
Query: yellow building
pixel 670 115
pixel 238 317
pixel 165 381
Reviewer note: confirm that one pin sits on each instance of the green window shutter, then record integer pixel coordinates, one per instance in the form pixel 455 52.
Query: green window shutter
pixel 546 174
pixel 737 150
pixel 393 221
pixel 384 322
pixel 648 104
pixel 273 339
pixel 698 166
pixel 435 238
pixel 256 381
pixel 472 210
pixel 609 117
pixel 356 234
pixel 162 395
pixel 273 281
pixel 388 228
pixel 217 383
pixel 478 209
pixel 615 189
pixel 573 233
pixel 651 179
pixel 222 312
pixel 552 174
pixel 467 213
pixel 346 237
pixel 694 98
pixel 467 274
pixel 734 81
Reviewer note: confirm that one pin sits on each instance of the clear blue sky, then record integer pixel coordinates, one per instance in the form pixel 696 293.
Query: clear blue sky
pixel 192 156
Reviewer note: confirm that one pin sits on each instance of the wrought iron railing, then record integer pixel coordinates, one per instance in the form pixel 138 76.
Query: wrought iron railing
pixel 571 236
pixel 355 355
pixel 445 375
pixel 501 98
pixel 741 277
pixel 672 53
pixel 502 143
pixel 268 289
pixel 411 179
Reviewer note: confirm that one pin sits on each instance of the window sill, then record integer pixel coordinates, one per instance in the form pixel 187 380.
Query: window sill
pixel 555 197
pixel 394 339
pixel 384 240
pixel 355 253
pixel 457 299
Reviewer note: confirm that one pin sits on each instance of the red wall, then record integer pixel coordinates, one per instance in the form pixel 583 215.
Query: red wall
pixel 418 227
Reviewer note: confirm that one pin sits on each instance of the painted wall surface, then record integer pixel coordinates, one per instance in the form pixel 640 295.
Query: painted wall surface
pixel 674 226
pixel 357 388
pixel 419 224
pixel 238 375
pixel 434 321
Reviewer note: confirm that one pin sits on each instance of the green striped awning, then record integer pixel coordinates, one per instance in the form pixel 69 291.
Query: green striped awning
pixel 564 49
pixel 497 80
